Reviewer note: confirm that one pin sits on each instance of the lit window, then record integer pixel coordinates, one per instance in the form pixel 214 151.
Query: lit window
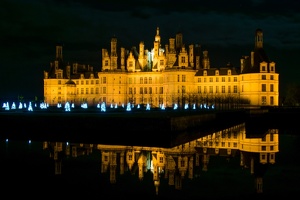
pixel 263 87
pixel 183 59
pixel 199 89
pixel 210 89
pixel 235 89
pixel 272 100
pixel 223 89
pixel 264 100
pixel 161 159
pixel 182 163
pixel 183 89
pixel 271 88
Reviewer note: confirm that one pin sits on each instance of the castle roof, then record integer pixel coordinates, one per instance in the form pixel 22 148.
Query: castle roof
pixel 222 71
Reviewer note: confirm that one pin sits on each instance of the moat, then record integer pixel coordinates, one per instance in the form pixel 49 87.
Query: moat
pixel 127 127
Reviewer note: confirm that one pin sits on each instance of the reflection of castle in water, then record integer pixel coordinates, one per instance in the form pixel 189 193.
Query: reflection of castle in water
pixel 179 162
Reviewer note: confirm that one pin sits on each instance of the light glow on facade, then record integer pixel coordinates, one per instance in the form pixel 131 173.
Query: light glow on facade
pixel 176 75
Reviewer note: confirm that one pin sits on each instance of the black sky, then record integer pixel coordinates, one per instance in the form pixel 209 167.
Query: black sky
pixel 30 29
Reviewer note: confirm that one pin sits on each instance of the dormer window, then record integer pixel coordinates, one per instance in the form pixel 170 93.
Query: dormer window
pixel 59 74
pixel 217 72
pixel 272 67
pixel 263 67
pixel 229 72
pixel 205 73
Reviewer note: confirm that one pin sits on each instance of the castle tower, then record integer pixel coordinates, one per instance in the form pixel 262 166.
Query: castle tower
pixel 113 48
pixel 206 63
pixel 258 38
pixel 156 48
pixel 179 41
pixel 191 55
pixel 172 45
pixel 123 59
pixel 157 36
pixel 59 55
pixel 122 163
pixel 141 49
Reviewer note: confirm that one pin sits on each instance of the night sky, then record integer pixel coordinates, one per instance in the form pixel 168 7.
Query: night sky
pixel 30 29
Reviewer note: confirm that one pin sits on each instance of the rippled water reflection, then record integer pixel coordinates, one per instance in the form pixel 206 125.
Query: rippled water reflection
pixel 225 164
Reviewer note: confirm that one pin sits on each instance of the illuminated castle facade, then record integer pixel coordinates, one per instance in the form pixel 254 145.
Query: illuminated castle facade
pixel 176 74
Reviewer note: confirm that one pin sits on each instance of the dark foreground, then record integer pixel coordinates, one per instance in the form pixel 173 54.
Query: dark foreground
pixel 28 170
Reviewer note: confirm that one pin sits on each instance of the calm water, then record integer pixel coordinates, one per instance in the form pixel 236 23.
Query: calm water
pixel 226 164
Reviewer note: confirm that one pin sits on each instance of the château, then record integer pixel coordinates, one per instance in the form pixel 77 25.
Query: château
pixel 174 74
